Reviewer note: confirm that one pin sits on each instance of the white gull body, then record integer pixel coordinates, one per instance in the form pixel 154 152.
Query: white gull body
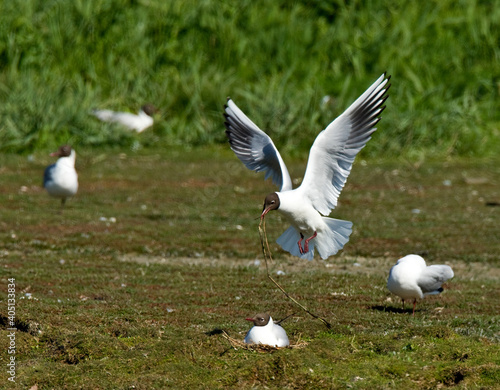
pixel 266 332
pixel 60 179
pixel 330 161
pixel 411 278
pixel 139 122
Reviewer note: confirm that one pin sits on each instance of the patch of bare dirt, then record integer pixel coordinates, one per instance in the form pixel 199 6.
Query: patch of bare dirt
pixel 341 264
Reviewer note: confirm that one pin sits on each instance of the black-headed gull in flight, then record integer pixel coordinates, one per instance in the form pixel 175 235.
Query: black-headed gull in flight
pixel 60 179
pixel 139 122
pixel 266 332
pixel 330 160
pixel 411 278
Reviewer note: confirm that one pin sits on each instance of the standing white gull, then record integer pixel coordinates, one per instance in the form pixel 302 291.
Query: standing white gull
pixel 330 161
pixel 139 122
pixel 411 278
pixel 266 332
pixel 60 179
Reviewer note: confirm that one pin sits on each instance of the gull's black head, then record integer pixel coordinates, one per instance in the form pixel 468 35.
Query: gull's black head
pixel 261 319
pixel 63 151
pixel 272 202
pixel 149 109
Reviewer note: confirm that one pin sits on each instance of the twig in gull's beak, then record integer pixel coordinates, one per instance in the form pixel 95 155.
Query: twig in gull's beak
pixel 267 254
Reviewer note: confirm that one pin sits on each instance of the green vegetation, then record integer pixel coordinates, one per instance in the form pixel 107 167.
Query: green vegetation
pixel 277 59
pixel 128 287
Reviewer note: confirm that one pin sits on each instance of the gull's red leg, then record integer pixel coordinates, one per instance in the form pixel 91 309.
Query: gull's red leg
pixel 299 243
pixel 414 304
pixel 306 245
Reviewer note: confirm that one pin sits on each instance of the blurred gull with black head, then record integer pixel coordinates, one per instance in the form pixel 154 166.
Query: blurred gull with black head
pixel 330 161
pixel 139 122
pixel 60 179
pixel 411 278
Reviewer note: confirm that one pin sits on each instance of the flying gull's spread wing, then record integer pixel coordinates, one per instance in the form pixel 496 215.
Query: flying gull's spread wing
pixel 335 148
pixel 255 148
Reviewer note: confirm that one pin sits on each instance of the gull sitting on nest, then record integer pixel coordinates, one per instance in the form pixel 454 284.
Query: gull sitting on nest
pixel 266 332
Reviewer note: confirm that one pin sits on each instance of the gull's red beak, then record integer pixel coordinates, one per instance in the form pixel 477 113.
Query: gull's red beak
pixel 249 319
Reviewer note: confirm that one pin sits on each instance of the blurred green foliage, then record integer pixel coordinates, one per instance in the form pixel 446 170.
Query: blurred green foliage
pixel 276 59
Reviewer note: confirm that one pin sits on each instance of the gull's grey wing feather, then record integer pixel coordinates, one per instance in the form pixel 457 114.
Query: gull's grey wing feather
pixel 255 148
pixel 47 175
pixel 335 148
pixel 432 277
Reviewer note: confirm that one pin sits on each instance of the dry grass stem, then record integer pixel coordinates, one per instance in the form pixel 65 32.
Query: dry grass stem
pixel 267 256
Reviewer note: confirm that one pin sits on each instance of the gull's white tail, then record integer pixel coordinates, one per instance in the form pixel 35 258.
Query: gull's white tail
pixel 328 242
pixel 104 115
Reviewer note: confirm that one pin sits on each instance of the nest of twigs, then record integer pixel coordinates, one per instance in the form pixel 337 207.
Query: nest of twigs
pixel 240 344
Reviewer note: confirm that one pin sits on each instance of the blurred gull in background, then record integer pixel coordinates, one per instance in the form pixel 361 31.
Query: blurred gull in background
pixel 139 122
pixel 60 179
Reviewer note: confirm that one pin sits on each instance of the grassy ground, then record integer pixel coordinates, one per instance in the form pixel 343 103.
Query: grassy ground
pixel 130 285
